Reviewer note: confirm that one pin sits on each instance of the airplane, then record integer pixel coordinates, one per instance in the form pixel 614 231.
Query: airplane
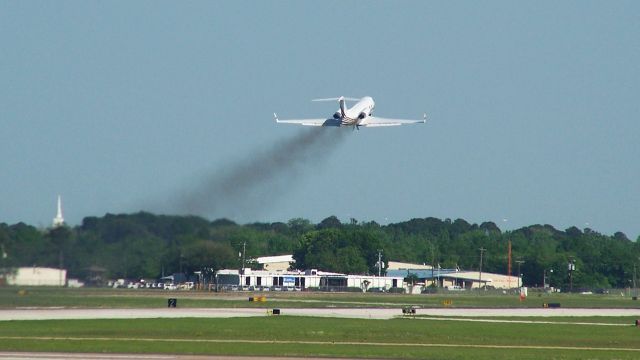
pixel 359 115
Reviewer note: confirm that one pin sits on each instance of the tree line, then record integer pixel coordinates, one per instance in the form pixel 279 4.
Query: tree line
pixel 144 245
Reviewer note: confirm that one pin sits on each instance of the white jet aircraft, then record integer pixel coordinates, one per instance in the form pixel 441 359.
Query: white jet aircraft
pixel 356 116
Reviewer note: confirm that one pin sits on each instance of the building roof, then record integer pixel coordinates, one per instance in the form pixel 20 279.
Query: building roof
pixel 421 273
pixel 275 259
pixel 451 274
pixel 250 272
pixel 397 265
pixel 486 276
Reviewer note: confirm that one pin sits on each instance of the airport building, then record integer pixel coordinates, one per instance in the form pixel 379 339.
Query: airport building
pixel 275 275
pixel 36 276
pixel 457 279
pixel 249 279
pixel 276 263
pixel 397 265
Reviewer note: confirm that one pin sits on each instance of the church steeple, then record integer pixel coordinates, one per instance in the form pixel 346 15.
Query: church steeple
pixel 58 220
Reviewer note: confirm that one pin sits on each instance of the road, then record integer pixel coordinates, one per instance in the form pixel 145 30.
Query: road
pixel 360 313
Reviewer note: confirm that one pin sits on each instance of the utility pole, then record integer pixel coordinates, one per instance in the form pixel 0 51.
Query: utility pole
pixel 379 262
pixel 509 264
pixel 635 289
pixel 519 262
pixel 61 262
pixel 433 262
pixel 244 249
pixel 482 250
pixel 572 268
pixel 544 278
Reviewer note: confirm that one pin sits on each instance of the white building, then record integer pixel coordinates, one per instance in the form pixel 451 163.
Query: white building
pixel 473 279
pixel 37 276
pixel 397 265
pixel 302 280
pixel 276 263
pixel 454 278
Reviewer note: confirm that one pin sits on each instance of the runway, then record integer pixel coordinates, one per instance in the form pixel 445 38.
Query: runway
pixel 358 313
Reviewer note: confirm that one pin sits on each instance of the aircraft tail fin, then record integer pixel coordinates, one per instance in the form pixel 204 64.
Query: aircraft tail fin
pixel 341 100
pixel 343 107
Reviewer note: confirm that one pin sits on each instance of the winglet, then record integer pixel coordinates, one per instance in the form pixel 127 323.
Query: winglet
pixel 424 118
pixel 275 116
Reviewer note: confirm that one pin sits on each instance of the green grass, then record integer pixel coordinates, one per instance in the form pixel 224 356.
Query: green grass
pixel 397 338
pixel 342 351
pixel 93 298
pixel 475 300
pixel 134 298
pixel 623 320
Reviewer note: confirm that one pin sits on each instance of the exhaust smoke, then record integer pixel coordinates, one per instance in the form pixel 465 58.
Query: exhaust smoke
pixel 250 187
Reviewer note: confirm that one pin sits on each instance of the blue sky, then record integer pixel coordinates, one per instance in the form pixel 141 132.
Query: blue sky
pixel 533 107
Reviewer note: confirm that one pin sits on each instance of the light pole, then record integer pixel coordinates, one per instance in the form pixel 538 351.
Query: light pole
pixel 433 263
pixel 544 278
pixel 244 250
pixel 482 250
pixel 635 289
pixel 572 268
pixel 519 262
pixel 379 262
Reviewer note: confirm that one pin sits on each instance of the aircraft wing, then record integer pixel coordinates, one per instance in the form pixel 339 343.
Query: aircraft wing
pixel 309 122
pixel 374 121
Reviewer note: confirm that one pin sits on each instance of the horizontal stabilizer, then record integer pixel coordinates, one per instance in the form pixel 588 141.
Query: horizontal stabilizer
pixel 374 121
pixel 310 122
pixel 337 98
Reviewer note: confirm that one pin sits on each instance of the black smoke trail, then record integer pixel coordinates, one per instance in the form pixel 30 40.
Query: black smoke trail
pixel 253 185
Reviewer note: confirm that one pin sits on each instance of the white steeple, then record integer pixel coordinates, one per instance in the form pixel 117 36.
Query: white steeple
pixel 58 220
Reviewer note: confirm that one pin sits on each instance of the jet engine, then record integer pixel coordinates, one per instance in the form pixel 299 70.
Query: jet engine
pixel 362 115
pixel 337 115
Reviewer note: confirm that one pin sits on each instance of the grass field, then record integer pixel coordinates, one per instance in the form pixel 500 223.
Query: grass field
pixel 620 320
pixel 302 336
pixel 11 297
pixel 419 338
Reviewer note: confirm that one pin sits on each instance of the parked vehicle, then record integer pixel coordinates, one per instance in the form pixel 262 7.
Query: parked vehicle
pixel 454 288
pixel 171 286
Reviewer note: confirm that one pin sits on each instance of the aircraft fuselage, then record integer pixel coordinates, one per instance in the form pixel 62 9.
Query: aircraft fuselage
pixel 357 114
